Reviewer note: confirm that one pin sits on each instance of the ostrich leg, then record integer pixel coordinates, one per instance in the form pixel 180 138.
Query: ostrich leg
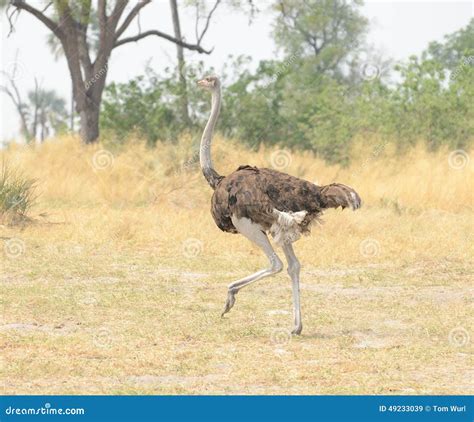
pixel 294 273
pixel 254 233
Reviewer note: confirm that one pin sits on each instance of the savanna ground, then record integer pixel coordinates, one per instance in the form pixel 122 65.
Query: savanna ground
pixel 117 285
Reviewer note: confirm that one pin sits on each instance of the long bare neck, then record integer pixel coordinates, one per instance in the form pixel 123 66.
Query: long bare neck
pixel 205 150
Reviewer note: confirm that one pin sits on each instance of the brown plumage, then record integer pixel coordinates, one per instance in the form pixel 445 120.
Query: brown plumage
pixel 255 201
pixel 254 193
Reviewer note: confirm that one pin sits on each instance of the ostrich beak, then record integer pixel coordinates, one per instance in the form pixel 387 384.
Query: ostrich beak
pixel 202 82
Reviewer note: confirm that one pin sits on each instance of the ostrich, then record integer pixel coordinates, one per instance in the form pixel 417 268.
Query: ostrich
pixel 256 202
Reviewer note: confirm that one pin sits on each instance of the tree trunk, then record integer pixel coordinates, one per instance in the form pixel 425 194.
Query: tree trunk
pixel 183 99
pixel 71 121
pixel 43 125
pixel 89 128
pixel 35 113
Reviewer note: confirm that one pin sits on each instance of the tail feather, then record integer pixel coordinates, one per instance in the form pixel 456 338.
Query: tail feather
pixel 338 195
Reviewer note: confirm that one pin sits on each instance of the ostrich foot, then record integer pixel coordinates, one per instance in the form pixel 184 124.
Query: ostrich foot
pixel 297 330
pixel 229 302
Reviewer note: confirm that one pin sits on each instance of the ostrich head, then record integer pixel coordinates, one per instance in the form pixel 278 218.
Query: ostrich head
pixel 210 83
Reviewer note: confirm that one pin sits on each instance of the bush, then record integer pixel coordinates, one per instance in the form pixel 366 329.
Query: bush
pixel 17 195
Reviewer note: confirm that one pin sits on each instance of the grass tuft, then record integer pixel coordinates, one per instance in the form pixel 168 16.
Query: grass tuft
pixel 17 195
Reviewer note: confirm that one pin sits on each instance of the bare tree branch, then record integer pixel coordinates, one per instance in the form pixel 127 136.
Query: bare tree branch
pixel 107 26
pixel 83 46
pixel 70 44
pixel 183 97
pixel 208 20
pixel 101 12
pixel 46 7
pixel 15 96
pixel 116 14
pixel 10 18
pixel 101 6
pixel 36 107
pixel 21 4
pixel 135 11
pixel 196 24
pixel 193 47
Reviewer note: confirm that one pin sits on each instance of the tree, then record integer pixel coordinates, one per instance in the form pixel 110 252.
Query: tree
pixel 138 106
pixel 456 46
pixel 149 105
pixel 181 62
pixel 324 31
pixel 302 100
pixel 70 22
pixel 11 89
pixel 48 113
pixel 42 114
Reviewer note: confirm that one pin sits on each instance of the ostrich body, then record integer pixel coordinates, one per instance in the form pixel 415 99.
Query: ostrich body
pixel 256 202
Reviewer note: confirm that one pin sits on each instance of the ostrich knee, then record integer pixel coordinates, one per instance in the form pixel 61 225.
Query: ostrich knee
pixel 276 265
pixel 294 268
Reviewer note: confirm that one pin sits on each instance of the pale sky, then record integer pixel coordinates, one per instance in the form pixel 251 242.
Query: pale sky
pixel 397 28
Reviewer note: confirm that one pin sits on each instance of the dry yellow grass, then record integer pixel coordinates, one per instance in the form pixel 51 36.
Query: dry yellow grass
pixel 118 285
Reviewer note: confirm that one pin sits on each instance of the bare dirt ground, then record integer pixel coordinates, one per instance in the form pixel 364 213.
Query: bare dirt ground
pixel 109 321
